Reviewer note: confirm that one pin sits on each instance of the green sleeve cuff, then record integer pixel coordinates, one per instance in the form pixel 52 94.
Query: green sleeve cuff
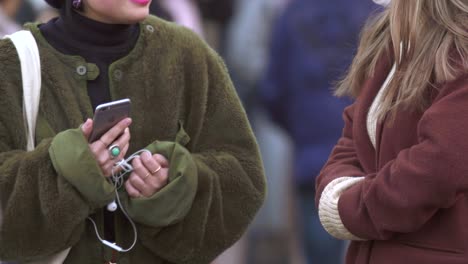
pixel 72 159
pixel 172 203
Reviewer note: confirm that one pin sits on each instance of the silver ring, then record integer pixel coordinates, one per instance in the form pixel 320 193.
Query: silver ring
pixel 114 151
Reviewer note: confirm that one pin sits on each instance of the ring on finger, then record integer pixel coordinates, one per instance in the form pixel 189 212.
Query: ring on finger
pixel 156 170
pixel 114 151
pixel 146 176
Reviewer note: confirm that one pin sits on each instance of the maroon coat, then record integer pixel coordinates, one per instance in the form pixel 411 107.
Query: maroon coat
pixel 412 205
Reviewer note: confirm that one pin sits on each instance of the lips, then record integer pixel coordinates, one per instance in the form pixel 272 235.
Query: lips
pixel 141 2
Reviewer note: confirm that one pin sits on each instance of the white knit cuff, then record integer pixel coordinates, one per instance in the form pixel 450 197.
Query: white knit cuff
pixel 328 207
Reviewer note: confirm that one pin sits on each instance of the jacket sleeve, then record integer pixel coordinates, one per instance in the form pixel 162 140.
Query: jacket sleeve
pixel 172 203
pixel 225 173
pixel 422 179
pixel 41 211
pixel 341 171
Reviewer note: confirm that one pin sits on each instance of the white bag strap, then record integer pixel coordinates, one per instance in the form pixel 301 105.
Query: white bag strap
pixel 28 53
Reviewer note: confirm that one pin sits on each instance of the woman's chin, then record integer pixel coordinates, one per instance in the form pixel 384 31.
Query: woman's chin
pixel 135 18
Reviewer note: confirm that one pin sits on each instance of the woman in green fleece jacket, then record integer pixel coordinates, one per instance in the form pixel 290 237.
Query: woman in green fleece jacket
pixel 184 111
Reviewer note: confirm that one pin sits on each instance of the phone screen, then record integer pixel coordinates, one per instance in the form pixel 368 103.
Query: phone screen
pixel 108 115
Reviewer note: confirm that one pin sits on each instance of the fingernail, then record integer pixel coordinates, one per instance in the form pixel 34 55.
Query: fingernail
pixel 128 122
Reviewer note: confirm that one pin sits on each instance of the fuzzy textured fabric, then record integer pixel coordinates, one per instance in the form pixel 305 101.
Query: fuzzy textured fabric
pixel 183 106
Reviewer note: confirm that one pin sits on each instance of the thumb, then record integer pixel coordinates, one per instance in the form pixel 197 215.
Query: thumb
pixel 87 127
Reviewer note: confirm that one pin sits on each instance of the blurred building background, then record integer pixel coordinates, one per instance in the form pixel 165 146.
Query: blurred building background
pixel 283 57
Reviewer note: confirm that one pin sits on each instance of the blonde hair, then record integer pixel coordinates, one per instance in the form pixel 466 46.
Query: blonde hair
pixel 429 41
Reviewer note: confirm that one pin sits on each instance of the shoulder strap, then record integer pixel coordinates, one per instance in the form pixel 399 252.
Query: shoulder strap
pixel 28 53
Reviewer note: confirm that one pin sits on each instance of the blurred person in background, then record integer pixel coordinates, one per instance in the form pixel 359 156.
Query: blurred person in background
pixel 216 15
pixel 8 11
pixel 220 11
pixel 31 11
pixel 313 42
pixel 395 183
pixel 248 38
pixel 246 46
pixel 183 12
pixel 41 11
pixel 157 9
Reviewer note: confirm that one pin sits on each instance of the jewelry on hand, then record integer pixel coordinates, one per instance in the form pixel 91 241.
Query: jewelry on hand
pixel 152 173
pixel 114 151
pixel 156 170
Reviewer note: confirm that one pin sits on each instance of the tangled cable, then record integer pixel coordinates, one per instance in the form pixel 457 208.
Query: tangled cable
pixel 118 179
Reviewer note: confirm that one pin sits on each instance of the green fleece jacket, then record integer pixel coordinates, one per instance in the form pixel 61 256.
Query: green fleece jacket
pixel 184 106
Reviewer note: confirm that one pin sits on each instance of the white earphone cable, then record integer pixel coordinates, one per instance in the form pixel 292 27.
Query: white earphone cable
pixel 118 180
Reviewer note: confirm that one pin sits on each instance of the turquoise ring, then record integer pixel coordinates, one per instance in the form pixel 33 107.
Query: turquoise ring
pixel 114 151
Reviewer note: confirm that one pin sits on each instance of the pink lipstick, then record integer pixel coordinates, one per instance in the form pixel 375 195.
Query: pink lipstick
pixel 141 2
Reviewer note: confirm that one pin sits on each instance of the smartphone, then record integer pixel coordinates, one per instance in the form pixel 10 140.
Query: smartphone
pixel 108 115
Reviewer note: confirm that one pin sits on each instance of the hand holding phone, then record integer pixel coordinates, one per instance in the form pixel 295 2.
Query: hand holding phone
pixel 107 136
pixel 108 115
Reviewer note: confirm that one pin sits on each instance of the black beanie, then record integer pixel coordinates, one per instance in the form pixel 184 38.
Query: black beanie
pixel 55 3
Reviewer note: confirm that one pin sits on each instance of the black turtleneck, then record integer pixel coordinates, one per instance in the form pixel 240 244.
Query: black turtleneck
pixel 98 43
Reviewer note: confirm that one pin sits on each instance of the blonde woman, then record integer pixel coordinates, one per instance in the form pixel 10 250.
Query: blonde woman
pixel 396 181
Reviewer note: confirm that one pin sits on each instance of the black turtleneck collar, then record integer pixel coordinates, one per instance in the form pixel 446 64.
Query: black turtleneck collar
pixel 74 34
pixel 98 43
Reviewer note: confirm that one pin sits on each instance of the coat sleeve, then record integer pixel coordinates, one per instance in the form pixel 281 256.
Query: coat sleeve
pixel 41 211
pixel 342 171
pixel 422 179
pixel 224 161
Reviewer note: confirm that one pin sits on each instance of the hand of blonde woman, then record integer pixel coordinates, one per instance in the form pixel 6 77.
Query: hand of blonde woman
pixel 150 174
pixel 117 136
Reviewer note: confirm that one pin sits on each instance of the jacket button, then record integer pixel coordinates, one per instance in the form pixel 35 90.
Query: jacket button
pixel 150 28
pixel 118 75
pixel 81 70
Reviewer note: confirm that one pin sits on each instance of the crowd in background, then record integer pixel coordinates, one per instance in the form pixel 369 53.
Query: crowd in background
pixel 283 57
